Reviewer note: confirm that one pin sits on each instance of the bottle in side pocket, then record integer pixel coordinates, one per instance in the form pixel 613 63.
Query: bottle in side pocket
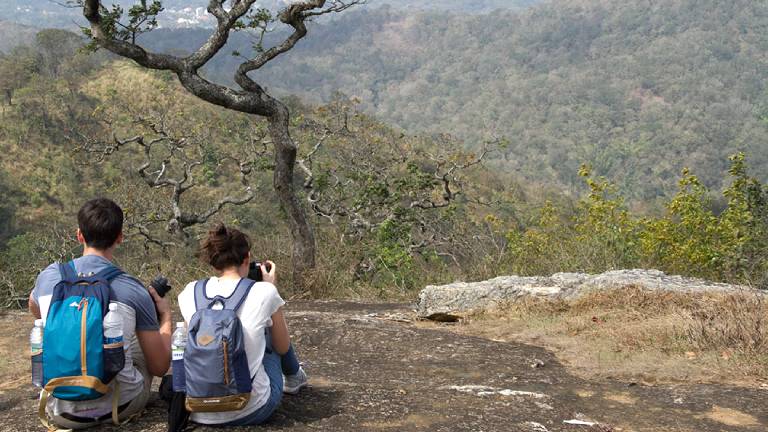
pixel 36 349
pixel 114 346
pixel 178 345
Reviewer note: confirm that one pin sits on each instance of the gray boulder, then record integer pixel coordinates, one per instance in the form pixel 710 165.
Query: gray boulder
pixel 445 302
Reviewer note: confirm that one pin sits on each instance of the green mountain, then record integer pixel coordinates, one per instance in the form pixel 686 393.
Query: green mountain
pixel 192 13
pixel 475 6
pixel 637 89
pixel 392 211
pixel 13 35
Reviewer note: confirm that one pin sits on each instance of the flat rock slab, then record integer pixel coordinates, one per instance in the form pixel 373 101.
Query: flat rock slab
pixel 371 370
pixel 441 301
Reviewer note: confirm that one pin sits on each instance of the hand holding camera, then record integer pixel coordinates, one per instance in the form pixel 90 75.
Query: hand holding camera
pixel 262 271
pixel 158 288
pixel 161 285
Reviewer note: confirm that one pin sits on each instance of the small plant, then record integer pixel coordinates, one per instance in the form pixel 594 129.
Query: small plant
pixel 604 228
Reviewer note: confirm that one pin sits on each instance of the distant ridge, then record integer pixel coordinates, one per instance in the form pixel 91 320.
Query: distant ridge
pixel 192 13
pixel 13 34
pixel 638 90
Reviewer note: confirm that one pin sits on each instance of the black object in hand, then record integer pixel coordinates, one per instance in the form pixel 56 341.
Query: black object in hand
pixel 161 285
pixel 166 388
pixel 254 271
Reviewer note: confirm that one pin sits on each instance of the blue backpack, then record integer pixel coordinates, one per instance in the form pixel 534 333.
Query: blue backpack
pixel 77 366
pixel 215 363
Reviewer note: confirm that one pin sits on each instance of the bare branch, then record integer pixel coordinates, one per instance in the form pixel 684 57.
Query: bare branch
pixel 144 232
pixel 448 177
pixel 187 220
pixel 336 6
pixel 294 15
pixel 255 101
pixel 91 11
pixel 157 174
pixel 306 163
pixel 217 40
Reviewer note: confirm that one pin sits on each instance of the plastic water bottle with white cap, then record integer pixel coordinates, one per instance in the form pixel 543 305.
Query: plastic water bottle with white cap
pixel 113 328
pixel 114 347
pixel 178 344
pixel 36 346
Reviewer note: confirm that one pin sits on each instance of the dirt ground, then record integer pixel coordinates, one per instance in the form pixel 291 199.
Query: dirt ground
pixel 639 335
pixel 372 368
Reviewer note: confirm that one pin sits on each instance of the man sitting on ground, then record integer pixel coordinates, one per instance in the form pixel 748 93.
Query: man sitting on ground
pixel 146 321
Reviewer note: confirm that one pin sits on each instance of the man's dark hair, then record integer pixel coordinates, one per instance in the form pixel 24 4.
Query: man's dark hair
pixel 100 221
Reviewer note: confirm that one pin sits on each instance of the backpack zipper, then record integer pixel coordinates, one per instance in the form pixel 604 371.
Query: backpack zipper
pixel 226 362
pixel 83 359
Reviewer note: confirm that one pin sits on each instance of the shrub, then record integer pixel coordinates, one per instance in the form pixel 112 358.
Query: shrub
pixel 26 255
pixel 689 238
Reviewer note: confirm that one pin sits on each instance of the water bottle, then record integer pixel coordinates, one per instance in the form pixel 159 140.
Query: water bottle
pixel 36 345
pixel 114 350
pixel 178 343
pixel 113 328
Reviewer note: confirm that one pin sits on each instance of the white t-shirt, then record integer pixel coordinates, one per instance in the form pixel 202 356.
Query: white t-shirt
pixel 255 315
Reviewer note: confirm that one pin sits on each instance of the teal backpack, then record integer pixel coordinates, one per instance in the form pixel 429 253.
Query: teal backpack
pixel 77 362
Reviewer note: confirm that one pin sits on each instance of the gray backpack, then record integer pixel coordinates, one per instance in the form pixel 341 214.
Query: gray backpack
pixel 215 363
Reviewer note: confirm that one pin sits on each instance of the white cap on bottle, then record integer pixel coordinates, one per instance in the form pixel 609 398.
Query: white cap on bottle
pixel 38 323
pixel 113 306
pixel 180 324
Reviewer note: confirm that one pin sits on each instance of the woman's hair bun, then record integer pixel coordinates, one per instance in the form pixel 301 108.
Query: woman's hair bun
pixel 220 230
pixel 225 247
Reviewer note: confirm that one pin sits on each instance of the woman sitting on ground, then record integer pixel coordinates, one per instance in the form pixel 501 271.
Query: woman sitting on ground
pixel 273 365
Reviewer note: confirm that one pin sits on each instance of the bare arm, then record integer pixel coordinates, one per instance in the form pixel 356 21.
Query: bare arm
pixel 156 344
pixel 34 309
pixel 281 340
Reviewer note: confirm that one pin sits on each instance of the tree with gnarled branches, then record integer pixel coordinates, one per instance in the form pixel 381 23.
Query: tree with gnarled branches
pixel 109 29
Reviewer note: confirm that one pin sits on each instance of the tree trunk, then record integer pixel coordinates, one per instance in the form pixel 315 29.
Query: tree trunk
pixel 252 99
pixel 303 253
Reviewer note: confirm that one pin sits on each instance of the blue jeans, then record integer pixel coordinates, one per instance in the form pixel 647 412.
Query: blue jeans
pixel 275 365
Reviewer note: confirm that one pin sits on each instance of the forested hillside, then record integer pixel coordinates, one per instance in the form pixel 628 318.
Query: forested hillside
pixel 381 218
pixel 13 35
pixel 638 89
pixel 399 206
pixel 392 211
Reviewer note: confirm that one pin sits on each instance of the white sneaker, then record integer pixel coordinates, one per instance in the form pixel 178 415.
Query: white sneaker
pixel 293 383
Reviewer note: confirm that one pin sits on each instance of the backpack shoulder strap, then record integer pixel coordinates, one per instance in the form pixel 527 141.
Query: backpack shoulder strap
pixel 109 273
pixel 233 302
pixel 238 297
pixel 67 271
pixel 201 300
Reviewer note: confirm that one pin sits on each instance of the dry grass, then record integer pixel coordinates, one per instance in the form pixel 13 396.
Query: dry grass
pixel 643 335
pixel 14 346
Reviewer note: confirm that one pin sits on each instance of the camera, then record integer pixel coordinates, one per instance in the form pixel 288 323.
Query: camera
pixel 254 271
pixel 161 285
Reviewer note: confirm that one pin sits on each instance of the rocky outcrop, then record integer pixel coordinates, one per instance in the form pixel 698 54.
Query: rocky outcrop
pixel 443 302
